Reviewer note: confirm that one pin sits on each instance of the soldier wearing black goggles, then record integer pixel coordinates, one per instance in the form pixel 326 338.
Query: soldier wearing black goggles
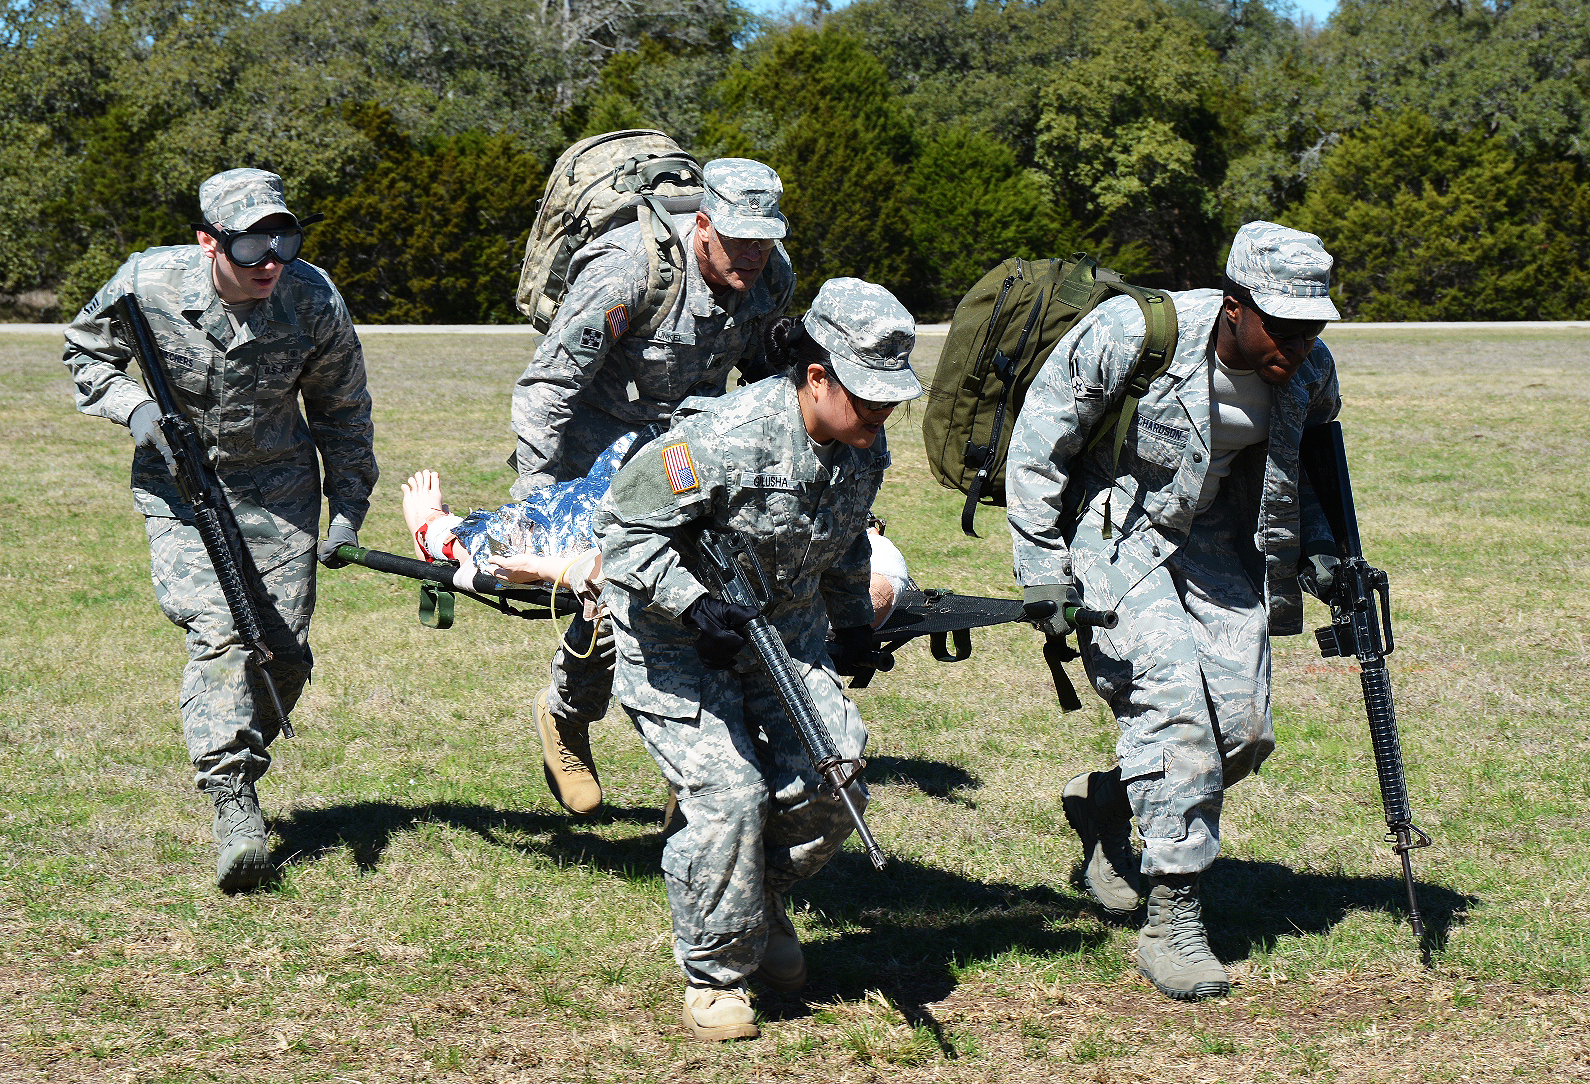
pixel 250 248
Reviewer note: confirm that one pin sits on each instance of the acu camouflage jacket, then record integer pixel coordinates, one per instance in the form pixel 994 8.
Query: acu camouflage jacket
pixel 241 394
pixel 746 466
pixel 1163 461
pixel 589 357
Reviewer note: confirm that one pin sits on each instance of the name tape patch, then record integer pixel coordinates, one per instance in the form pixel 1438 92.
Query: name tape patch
pixel 681 471
pixel 1164 432
pixel 751 480
pixel 617 320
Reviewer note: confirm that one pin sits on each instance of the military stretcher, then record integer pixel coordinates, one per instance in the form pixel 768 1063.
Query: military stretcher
pixel 944 617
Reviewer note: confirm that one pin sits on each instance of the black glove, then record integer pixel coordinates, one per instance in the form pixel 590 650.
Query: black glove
pixel 338 534
pixel 853 648
pixel 144 426
pixel 1317 573
pixel 717 625
pixel 1045 606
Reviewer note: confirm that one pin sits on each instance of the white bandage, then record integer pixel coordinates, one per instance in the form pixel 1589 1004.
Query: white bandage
pixel 436 535
pixel 889 562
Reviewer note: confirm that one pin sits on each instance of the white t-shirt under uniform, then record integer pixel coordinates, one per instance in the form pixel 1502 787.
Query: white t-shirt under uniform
pixel 1239 417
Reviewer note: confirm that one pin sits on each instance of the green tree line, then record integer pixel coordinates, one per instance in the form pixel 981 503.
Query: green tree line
pixel 1438 146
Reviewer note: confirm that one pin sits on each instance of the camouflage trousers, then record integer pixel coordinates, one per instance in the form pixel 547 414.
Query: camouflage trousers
pixel 582 687
pixel 227 717
pixel 753 813
pixel 1187 674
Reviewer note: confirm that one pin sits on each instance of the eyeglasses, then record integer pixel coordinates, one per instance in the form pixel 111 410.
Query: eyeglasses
pixel 250 248
pixel 739 246
pixel 1282 330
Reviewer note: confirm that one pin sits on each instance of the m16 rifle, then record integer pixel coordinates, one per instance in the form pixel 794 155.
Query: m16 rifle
pixel 727 578
pixel 198 486
pixel 1360 601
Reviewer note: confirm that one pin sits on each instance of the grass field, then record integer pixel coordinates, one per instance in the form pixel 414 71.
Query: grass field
pixel 439 918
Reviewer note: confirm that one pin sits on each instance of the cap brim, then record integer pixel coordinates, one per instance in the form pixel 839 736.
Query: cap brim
pixel 1283 307
pixel 876 385
pixel 253 216
pixel 750 227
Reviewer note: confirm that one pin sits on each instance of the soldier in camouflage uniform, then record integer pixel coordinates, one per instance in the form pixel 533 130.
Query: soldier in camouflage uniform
pixel 1212 524
pixel 791 464
pixel 245 329
pixel 592 381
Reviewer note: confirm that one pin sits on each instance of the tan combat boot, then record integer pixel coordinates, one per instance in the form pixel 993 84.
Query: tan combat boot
pixel 783 963
pixel 1096 806
pixel 243 857
pixel 566 760
pixel 716 1013
pixel 1172 948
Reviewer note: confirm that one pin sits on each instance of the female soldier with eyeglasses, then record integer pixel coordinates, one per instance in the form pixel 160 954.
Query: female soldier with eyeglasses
pixel 790 465
pixel 246 329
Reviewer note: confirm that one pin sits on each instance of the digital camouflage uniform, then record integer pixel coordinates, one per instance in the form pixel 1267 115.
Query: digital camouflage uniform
pixel 1187 670
pixel 749 796
pixel 591 382
pixel 241 393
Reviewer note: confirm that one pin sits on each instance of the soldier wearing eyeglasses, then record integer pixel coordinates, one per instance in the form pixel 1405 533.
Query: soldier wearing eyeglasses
pixel 248 331
pixel 593 380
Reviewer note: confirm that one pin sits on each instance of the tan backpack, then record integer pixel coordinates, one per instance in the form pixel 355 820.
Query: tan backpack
pixel 597 185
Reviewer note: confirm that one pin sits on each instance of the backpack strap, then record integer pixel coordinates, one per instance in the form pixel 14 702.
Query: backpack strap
pixel 1153 360
pixel 665 273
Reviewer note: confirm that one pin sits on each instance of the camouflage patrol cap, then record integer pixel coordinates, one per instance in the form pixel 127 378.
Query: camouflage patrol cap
pixel 238 198
pixel 1287 271
pixel 868 336
pixel 742 199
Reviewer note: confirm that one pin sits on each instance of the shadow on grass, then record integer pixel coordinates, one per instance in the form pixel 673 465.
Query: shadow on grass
pixel 908 932
pixel 934 778
pixel 1251 905
pixel 366 829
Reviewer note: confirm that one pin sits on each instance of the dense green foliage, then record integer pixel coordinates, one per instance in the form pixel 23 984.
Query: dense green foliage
pixel 1439 148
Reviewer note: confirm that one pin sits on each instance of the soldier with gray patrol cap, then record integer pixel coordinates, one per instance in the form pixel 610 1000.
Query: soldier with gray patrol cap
pixel 756 817
pixel 1204 562
pixel 265 363
pixel 611 365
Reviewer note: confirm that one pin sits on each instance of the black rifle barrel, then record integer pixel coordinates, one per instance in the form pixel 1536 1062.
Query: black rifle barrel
pixel 734 586
pixel 1360 626
pixel 212 515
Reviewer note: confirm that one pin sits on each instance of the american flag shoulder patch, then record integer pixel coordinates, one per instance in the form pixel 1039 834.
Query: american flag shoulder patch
pixel 681 471
pixel 617 320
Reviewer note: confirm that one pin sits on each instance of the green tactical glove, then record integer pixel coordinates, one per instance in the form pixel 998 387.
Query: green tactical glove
pixel 1045 606
pixel 1317 573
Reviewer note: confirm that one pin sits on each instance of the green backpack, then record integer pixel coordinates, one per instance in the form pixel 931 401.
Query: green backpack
pixel 1000 336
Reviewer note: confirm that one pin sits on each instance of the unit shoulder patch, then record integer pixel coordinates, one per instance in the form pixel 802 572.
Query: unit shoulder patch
pixel 681 471
pixel 590 338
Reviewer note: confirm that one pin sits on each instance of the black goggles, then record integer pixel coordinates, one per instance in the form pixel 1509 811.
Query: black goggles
pixel 250 248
